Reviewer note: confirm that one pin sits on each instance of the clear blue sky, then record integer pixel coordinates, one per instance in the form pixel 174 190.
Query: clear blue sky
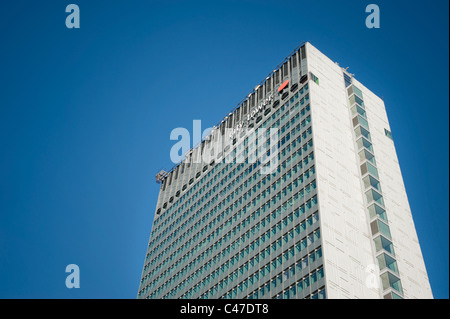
pixel 85 118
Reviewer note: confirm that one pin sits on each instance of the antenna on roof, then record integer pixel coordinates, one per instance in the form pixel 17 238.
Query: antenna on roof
pixel 161 176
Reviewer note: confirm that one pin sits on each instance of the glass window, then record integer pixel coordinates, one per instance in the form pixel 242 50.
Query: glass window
pixel 313 277
pixel 363 122
pixel 362 142
pixel 386 261
pixel 359 101
pixel 357 109
pixel 376 210
pixel 395 296
pixel 384 229
pixel 388 134
pixel 372 195
pixel 361 131
pixel 366 155
pixel 372 170
pixel 357 91
pixel 322 294
pixel 355 99
pixel 293 291
pixel 347 80
pixel 299 287
pixel 320 274
pixel 370 181
pixel 389 280
pixel 306 282
pixel 314 78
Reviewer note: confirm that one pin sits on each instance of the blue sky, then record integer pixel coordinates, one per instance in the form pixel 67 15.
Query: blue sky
pixel 86 116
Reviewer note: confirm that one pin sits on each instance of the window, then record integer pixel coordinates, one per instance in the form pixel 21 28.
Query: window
pixel 314 78
pixel 383 243
pixel 372 169
pixel 357 92
pixel 388 134
pixel 389 280
pixel 276 103
pixel 303 52
pixel 372 195
pixel 357 109
pixel 320 274
pixel 354 89
pixel 347 80
pixel 355 99
pixel 384 229
pixel 303 79
pixel 360 120
pixel 386 261
pixel 376 210
pixel 294 87
pixel 366 155
pixel 361 131
pixel 370 181
pixel 362 142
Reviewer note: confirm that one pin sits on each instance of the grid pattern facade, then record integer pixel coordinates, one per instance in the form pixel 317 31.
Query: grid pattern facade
pixel 224 230
pixel 319 226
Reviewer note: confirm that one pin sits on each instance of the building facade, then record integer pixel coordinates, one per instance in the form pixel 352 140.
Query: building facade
pixel 296 193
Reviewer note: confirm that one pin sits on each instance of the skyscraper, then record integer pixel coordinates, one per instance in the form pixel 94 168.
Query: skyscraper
pixel 300 196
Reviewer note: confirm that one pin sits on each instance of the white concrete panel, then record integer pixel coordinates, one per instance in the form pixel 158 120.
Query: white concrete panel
pixel 345 231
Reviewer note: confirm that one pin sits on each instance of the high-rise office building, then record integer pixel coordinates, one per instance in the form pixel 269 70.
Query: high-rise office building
pixel 314 208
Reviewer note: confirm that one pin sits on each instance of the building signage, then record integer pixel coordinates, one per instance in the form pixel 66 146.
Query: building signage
pixel 251 115
pixel 282 86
